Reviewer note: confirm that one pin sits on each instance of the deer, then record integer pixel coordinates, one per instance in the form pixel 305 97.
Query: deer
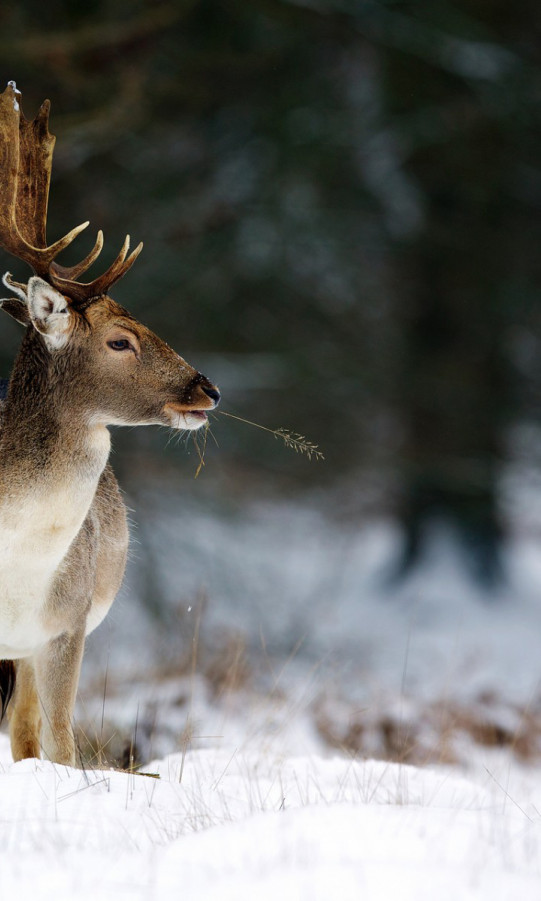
pixel 84 364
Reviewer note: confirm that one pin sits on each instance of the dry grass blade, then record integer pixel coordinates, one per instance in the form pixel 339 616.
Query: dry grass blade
pixel 201 451
pixel 291 439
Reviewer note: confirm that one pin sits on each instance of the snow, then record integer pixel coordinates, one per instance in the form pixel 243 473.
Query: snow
pixel 255 802
pixel 332 590
pixel 225 825
pixel 317 603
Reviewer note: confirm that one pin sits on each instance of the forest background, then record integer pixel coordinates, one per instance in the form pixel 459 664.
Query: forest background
pixel 340 205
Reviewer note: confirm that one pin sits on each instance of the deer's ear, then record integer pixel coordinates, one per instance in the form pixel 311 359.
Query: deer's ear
pixel 17 309
pixel 49 312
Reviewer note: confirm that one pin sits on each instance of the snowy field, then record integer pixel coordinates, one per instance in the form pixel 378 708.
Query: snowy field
pixel 298 624
pixel 223 825
pixel 276 703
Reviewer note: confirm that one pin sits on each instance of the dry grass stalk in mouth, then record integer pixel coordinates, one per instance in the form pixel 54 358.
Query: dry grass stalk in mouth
pixel 291 439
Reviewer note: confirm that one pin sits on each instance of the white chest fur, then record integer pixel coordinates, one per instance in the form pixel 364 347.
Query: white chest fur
pixel 37 527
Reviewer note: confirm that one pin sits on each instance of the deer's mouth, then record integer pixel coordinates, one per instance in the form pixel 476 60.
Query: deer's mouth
pixel 180 417
pixel 198 415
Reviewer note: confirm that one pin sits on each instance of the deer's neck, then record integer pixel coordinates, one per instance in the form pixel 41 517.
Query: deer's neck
pixel 46 438
pixel 50 465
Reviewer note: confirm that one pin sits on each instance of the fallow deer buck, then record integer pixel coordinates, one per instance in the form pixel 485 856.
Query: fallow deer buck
pixel 84 364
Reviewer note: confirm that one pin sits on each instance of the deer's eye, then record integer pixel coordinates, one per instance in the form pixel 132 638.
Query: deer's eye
pixel 120 344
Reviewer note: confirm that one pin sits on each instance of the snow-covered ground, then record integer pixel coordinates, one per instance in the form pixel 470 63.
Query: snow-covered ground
pixel 279 693
pixel 226 825
pixel 305 606
pixel 290 578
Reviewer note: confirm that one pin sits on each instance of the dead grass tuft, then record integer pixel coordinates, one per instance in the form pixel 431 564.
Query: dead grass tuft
pixel 437 732
pixel 228 669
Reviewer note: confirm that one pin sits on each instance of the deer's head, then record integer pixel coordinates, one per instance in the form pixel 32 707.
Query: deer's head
pixel 111 364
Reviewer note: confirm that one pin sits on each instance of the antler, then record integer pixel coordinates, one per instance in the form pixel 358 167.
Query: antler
pixel 26 155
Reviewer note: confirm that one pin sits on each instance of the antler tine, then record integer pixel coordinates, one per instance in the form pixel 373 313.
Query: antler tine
pixel 17 287
pixel 71 272
pixel 49 253
pixel 84 291
pixel 39 258
pixel 122 254
pixel 116 270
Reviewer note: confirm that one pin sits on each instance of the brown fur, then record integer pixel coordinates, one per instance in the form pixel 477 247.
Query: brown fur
pixel 85 363
pixel 53 440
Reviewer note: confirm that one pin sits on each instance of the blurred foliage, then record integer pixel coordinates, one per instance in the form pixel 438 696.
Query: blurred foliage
pixel 339 201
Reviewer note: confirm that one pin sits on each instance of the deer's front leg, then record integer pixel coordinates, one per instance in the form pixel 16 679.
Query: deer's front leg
pixel 24 714
pixel 57 670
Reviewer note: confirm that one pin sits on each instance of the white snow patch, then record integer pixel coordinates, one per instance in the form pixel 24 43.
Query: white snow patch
pixel 229 826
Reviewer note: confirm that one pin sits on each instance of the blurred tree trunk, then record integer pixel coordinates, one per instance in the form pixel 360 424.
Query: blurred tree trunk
pixel 455 383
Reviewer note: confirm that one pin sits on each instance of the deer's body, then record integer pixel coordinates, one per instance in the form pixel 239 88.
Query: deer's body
pixel 62 522
pixel 62 559
pixel 84 364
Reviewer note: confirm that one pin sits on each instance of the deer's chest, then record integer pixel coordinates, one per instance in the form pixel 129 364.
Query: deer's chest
pixel 36 534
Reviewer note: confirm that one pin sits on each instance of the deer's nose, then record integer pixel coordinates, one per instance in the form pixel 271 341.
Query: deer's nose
pixel 213 393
